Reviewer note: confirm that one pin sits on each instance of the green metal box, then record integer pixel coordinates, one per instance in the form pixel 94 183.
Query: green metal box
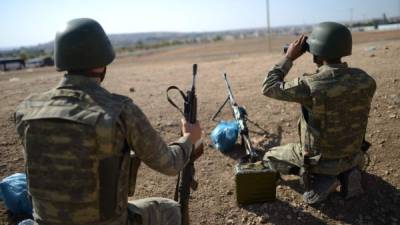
pixel 255 183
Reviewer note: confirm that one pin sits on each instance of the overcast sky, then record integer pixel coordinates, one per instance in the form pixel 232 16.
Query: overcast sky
pixel 29 22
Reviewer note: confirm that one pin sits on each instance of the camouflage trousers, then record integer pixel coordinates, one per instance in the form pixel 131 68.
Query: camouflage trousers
pixel 154 211
pixel 289 158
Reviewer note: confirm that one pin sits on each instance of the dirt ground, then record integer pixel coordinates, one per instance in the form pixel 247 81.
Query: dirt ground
pixel 144 77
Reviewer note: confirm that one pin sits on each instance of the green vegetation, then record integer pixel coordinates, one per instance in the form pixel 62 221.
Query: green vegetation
pixel 140 45
pixel 24 53
pixel 217 38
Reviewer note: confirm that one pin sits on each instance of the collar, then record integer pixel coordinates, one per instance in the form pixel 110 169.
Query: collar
pixel 332 67
pixel 78 80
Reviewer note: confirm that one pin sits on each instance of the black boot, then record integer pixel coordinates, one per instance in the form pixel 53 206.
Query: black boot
pixel 320 188
pixel 351 183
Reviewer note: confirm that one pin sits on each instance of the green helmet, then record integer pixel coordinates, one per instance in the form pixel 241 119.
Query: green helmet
pixel 330 40
pixel 82 45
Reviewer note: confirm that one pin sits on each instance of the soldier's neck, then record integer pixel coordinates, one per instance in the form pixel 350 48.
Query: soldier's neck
pixel 330 62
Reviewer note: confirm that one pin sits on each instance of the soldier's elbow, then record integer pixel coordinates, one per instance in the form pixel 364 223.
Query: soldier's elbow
pixel 170 172
pixel 266 91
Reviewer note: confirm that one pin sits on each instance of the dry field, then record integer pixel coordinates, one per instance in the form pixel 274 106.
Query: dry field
pixel 246 62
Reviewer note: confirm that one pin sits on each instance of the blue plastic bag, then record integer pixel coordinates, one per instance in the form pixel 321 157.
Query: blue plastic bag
pixel 224 135
pixel 13 191
pixel 27 222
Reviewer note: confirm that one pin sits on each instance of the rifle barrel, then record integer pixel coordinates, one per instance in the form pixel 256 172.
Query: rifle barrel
pixel 194 77
pixel 230 94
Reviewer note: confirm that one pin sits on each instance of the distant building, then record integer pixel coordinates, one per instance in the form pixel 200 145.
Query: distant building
pixel 12 64
pixel 229 37
pixel 40 62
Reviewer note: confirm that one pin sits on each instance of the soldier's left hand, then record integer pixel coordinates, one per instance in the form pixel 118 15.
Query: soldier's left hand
pixel 295 49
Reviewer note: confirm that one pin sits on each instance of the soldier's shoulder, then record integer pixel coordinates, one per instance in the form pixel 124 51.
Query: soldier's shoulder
pixel 36 98
pixel 121 98
pixel 307 75
pixel 127 105
pixel 361 72
pixel 107 99
pixel 321 75
pixel 362 75
pixel 43 96
pixel 310 79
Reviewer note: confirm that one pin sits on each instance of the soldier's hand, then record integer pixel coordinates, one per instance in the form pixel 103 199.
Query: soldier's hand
pixel 193 131
pixel 295 49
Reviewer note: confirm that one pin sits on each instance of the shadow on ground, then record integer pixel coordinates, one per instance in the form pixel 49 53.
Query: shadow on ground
pixel 281 212
pixel 268 141
pixel 378 205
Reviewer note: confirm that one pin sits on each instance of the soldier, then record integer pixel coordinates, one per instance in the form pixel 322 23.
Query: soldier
pixel 335 103
pixel 79 141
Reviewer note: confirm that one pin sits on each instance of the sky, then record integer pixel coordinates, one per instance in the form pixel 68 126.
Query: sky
pixel 30 22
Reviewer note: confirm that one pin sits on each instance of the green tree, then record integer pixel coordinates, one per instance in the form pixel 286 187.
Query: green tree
pixel 23 55
pixel 217 38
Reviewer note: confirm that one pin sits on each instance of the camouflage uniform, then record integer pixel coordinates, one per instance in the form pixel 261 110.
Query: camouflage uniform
pixel 78 140
pixel 335 103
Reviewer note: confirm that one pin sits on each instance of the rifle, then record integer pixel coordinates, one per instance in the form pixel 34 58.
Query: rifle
pixel 186 176
pixel 240 115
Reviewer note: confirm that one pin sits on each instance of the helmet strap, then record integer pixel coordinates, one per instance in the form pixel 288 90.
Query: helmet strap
pixel 317 60
pixel 100 75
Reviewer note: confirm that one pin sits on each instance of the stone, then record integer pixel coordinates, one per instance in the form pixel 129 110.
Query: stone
pixel 230 222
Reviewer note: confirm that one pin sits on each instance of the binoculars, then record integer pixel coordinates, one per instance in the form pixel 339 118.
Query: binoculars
pixel 304 48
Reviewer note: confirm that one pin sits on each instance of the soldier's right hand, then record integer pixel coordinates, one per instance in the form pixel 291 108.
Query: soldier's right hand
pixel 295 49
pixel 193 131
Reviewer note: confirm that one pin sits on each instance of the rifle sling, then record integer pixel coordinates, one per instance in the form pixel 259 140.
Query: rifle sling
pixel 172 102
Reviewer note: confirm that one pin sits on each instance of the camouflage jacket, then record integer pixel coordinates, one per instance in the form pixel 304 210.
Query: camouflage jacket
pixel 78 139
pixel 335 103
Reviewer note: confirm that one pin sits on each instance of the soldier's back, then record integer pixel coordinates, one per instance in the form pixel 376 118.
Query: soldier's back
pixel 73 161
pixel 341 99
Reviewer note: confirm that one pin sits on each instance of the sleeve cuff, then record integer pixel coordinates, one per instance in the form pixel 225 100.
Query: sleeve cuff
pixel 185 144
pixel 285 65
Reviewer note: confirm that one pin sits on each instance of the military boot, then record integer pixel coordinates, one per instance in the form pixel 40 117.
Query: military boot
pixel 351 183
pixel 320 188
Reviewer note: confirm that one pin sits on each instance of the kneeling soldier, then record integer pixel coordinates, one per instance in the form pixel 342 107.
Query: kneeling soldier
pixel 335 102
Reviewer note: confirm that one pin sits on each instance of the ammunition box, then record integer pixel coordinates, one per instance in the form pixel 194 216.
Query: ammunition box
pixel 255 183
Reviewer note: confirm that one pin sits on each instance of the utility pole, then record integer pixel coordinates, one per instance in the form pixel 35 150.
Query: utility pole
pixel 398 18
pixel 268 25
pixel 351 17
